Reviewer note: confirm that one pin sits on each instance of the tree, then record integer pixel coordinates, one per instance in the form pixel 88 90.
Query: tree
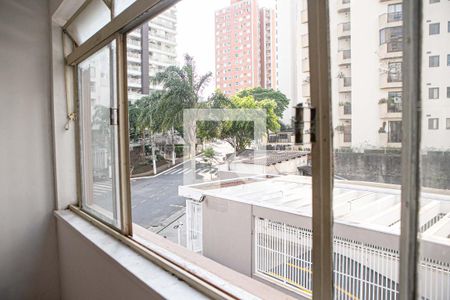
pixel 241 133
pixel 259 94
pixel 182 87
pixel 208 156
pixel 147 119
pixel 208 130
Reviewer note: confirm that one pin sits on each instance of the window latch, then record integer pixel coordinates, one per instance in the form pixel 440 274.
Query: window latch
pixel 313 125
pixel 114 116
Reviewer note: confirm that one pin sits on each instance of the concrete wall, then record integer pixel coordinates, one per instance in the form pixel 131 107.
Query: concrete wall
pixel 378 166
pixel 28 251
pixel 225 219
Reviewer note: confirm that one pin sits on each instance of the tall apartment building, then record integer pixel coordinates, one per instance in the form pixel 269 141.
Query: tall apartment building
pixel 238 46
pixel 268 30
pixel 245 47
pixel 150 49
pixel 366 71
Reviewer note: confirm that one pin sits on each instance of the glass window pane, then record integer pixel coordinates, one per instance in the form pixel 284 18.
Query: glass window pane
pixel 434 28
pixel 97 94
pixel 367 148
pixel 93 17
pixel 231 182
pixel 434 213
pixel 121 5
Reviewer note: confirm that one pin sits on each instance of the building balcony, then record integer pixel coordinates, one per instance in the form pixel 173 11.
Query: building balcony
pixel 135 71
pixel 390 80
pixel 133 44
pixel 305 90
pixel 135 34
pixel 393 19
pixel 344 57
pixel 305 65
pixel 305 40
pixel 345 84
pixel 345 111
pixel 384 141
pixel 136 83
pixel 344 139
pixel 392 111
pixel 391 49
pixel 344 30
pixel 134 57
pixel 343 6
pixel 304 16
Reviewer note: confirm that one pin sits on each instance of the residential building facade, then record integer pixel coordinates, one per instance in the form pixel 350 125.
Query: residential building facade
pixel 238 47
pixel 269 78
pixel 150 49
pixel 366 70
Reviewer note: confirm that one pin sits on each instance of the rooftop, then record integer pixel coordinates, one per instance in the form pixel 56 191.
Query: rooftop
pixel 368 205
pixel 265 157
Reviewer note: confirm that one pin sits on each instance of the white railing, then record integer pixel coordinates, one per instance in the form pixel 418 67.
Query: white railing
pixel 361 271
pixel 283 253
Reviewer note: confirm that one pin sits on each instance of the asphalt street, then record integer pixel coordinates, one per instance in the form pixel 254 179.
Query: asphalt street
pixel 155 199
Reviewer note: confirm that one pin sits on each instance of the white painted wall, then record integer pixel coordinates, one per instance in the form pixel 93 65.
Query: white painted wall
pixel 436 77
pixel 28 248
pixel 365 73
pixel 287 12
pixel 94 265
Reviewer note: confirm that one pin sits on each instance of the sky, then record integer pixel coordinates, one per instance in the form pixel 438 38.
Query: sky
pixel 195 33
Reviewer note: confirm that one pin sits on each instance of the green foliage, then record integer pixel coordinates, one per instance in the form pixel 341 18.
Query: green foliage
pixel 259 94
pixel 209 153
pixel 181 90
pixel 240 133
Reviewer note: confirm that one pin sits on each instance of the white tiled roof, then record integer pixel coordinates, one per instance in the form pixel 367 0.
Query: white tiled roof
pixel 362 204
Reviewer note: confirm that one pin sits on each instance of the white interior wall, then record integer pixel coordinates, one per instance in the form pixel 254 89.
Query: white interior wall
pixel 28 248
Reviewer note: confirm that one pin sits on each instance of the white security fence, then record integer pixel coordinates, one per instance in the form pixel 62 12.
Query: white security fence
pixel 361 270
pixel 194 225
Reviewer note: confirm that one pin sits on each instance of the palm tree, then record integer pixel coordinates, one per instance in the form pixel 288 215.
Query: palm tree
pixel 147 120
pixel 182 88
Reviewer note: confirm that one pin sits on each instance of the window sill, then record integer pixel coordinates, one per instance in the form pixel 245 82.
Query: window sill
pixel 233 283
pixel 153 277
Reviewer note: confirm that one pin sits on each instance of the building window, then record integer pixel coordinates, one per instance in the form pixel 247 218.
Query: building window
pixel 434 28
pixel 448 92
pixel 395 132
pixel 433 93
pixel 395 12
pixel 448 59
pixel 447 123
pixel 434 1
pixel 99 150
pixel 448 26
pixel 392 36
pixel 433 61
pixel 394 103
pixel 348 133
pixel 394 72
pixel 433 123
